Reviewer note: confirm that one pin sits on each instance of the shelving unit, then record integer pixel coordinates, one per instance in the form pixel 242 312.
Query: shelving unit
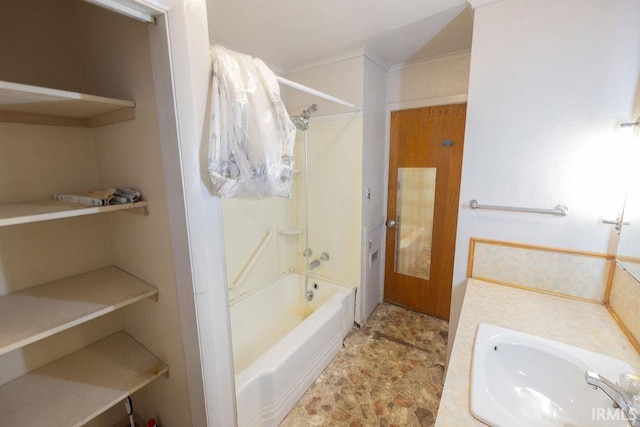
pixel 45 210
pixel 76 388
pixel 70 378
pixel 20 103
pixel 39 312
pixel 73 390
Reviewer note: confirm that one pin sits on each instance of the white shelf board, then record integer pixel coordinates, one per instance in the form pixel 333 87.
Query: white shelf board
pixel 41 100
pixel 75 389
pixel 45 210
pixel 39 312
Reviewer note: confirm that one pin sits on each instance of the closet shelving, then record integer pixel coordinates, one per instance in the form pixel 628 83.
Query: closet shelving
pixel 20 103
pixel 78 387
pixel 45 210
pixel 39 312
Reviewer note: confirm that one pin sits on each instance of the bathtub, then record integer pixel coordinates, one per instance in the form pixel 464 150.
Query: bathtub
pixel 282 342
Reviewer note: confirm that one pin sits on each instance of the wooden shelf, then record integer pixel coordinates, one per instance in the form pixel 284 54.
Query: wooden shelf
pixel 20 103
pixel 75 389
pixel 39 312
pixel 46 210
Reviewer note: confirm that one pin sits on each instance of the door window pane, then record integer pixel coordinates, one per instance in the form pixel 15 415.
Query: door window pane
pixel 414 217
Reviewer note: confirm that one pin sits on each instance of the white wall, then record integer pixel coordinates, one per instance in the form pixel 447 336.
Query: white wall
pixel 548 82
pixel 342 78
pixel 51 61
pixel 195 212
pixel 441 80
pixel 374 144
pixel 374 180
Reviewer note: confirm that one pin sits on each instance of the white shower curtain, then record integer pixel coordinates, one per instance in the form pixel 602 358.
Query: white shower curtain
pixel 251 139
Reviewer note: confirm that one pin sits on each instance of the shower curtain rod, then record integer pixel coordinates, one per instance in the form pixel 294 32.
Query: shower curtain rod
pixel 317 93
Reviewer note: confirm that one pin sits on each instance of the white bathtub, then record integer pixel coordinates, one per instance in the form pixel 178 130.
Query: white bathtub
pixel 282 342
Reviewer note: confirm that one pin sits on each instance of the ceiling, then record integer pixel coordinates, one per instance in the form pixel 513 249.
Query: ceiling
pixel 287 34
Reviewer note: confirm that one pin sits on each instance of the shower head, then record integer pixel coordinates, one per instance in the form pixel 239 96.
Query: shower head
pixel 301 122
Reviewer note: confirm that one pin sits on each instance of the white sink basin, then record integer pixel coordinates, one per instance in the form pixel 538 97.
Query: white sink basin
pixel 523 380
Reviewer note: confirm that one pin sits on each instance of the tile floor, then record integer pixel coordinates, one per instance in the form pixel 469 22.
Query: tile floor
pixel 388 374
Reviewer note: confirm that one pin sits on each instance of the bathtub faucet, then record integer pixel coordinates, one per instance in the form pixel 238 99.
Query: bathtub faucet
pixel 314 264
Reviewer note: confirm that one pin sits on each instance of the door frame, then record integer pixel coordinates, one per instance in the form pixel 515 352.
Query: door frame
pixel 408 105
pixel 179 45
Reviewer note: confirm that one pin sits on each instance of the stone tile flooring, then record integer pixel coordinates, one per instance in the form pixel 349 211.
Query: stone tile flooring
pixel 388 374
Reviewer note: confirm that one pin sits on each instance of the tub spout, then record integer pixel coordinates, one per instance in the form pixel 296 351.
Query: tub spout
pixel 314 264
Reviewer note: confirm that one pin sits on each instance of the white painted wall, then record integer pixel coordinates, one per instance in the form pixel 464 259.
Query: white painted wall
pixel 51 61
pixel 342 78
pixel 195 212
pixel 374 146
pixel 548 82
pixel 441 80
pixel 375 136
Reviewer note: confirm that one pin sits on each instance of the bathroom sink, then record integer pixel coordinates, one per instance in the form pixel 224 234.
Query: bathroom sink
pixel 523 380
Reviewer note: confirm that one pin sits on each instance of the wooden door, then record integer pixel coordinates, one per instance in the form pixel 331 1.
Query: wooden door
pixel 425 166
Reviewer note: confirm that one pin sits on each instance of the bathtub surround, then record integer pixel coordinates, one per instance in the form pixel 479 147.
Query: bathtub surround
pixel 246 223
pixel 389 373
pixel 276 362
pixel 355 161
pixel 335 150
pixel 344 196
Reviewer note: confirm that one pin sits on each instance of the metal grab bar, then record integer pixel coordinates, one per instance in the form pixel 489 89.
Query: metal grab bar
pixel 561 210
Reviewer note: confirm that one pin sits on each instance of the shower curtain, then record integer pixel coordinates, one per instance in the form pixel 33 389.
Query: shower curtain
pixel 251 137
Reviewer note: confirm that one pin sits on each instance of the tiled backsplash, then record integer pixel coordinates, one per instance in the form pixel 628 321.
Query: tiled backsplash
pixel 575 274
pixel 625 301
pixel 581 275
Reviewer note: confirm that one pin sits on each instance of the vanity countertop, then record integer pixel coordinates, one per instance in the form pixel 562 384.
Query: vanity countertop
pixel 582 324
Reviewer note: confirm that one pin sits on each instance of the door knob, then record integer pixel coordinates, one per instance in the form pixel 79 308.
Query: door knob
pixel 391 223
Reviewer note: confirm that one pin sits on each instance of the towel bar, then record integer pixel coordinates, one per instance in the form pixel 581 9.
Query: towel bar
pixel 561 210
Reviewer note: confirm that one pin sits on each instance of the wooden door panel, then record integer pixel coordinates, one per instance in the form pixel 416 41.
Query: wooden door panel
pixel 419 140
